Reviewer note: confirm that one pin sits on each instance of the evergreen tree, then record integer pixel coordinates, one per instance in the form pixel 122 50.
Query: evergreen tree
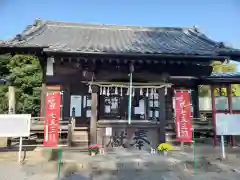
pixel 25 74
pixel 4 72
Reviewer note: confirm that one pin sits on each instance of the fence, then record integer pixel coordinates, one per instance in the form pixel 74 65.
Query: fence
pixel 205 103
pixel 36 137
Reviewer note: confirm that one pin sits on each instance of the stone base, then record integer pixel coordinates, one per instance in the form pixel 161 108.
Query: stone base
pixel 3 142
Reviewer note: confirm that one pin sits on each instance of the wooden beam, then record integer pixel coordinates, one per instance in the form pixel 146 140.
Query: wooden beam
pixel 162 133
pixel 53 88
pixel 195 95
pixel 94 115
pixel 229 96
pixel 43 95
pixel 213 98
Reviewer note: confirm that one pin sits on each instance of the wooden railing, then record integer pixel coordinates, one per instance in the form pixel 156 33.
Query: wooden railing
pixel 37 124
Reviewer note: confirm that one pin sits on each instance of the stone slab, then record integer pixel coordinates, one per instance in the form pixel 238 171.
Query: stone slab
pixel 3 142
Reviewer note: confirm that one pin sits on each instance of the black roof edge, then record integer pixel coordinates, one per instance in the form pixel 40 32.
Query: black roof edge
pixel 219 81
pixel 234 55
pixel 15 49
pixel 22 47
pixel 199 58
pixel 214 80
pixel 44 49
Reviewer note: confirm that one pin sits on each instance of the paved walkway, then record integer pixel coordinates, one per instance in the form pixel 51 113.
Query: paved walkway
pixel 120 164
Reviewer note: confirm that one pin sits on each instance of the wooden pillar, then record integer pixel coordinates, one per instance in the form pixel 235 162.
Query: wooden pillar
pixel 94 115
pixel 195 99
pixel 43 97
pixel 67 100
pixel 213 98
pixel 163 119
pixel 229 96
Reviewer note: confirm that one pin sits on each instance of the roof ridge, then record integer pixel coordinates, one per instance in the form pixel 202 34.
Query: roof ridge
pixel 117 26
pixel 33 28
pixel 204 37
pixel 29 32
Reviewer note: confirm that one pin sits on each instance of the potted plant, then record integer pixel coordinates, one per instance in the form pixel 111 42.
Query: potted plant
pixel 164 148
pixel 94 149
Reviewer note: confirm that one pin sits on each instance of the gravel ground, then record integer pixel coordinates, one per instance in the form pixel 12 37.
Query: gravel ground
pixel 10 171
pixel 124 165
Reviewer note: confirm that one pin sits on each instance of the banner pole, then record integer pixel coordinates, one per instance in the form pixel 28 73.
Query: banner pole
pixel 194 153
pixel 60 133
pixel 193 136
pixel 223 148
pixel 130 100
pixel 20 149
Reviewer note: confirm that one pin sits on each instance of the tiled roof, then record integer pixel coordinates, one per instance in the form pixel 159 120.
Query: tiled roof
pixel 225 75
pixel 93 38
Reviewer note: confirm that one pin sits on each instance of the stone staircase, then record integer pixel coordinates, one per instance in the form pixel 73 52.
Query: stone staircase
pixel 202 131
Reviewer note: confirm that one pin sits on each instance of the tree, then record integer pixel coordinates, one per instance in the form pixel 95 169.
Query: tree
pixel 4 72
pixel 221 67
pixel 25 74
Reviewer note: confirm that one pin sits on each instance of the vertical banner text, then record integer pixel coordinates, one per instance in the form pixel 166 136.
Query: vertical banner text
pixel 52 119
pixel 183 116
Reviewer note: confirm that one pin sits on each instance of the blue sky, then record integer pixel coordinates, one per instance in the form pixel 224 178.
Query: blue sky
pixel 219 19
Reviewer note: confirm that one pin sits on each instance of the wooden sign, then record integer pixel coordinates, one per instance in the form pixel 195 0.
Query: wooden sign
pixel 108 131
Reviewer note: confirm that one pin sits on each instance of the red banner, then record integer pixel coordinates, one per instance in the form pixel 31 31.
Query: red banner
pixel 52 119
pixel 183 116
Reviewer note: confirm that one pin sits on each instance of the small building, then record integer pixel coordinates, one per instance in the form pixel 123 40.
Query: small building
pixel 91 63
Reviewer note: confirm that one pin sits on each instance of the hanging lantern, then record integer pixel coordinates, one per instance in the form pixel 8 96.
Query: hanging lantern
pixel 121 91
pixel 104 91
pixel 141 92
pixel 133 92
pixel 89 89
pixel 116 91
pixel 108 91
pixel 155 92
pixel 152 93
pixel 127 91
pixel 100 90
pixel 147 93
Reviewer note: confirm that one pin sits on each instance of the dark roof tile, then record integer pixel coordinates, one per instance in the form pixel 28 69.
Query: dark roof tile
pixel 75 37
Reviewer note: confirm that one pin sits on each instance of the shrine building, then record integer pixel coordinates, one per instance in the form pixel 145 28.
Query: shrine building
pixel 91 64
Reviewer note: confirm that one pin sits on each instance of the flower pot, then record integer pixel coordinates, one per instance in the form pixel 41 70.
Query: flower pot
pixel 93 153
pixel 165 153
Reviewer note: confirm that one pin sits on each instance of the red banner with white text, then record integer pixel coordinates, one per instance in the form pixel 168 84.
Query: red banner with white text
pixel 52 119
pixel 183 116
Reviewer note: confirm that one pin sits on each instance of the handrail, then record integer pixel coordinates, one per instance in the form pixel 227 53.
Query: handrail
pixel 42 119
pixel 193 119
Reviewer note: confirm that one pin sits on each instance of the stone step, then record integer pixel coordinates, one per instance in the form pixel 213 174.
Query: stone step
pixel 81 136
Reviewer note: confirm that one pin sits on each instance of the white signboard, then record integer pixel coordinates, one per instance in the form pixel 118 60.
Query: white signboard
pixel 108 131
pixel 76 102
pixel 15 125
pixel 228 124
